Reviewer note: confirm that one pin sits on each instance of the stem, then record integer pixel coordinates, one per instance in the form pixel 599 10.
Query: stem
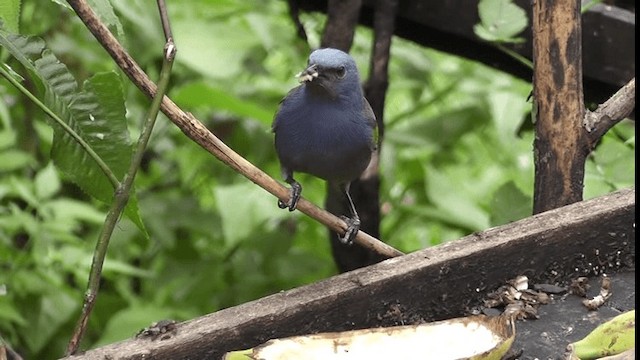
pixel 166 26
pixel 528 63
pixel 121 198
pixel 587 6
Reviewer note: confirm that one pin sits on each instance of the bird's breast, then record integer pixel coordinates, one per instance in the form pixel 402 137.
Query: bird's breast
pixel 331 141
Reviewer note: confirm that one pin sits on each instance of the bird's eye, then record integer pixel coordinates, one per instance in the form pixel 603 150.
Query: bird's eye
pixel 341 72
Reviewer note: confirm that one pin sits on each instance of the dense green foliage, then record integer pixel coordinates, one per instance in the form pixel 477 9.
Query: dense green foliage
pixel 456 158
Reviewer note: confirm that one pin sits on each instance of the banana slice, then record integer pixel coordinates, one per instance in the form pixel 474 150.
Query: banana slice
pixel 475 337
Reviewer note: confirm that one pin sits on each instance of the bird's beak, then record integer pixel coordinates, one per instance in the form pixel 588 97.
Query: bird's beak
pixel 308 74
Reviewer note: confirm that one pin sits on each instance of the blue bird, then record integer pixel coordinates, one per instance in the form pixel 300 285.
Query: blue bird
pixel 325 127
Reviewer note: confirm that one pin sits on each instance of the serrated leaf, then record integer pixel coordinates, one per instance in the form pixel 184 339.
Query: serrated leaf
pixel 101 112
pixel 96 114
pixel 23 48
pixel 500 21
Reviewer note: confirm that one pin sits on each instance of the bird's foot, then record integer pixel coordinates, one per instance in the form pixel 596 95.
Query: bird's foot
pixel 294 196
pixel 353 226
pixel 282 204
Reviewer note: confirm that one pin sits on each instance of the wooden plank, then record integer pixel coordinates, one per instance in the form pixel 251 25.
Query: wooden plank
pixel 582 239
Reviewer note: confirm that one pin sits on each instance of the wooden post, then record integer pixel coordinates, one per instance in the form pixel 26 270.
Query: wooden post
pixel 560 145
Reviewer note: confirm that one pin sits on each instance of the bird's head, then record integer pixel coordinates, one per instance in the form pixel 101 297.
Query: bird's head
pixel 331 72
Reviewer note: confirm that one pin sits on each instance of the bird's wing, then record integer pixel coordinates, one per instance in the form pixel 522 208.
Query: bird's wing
pixel 292 93
pixel 370 116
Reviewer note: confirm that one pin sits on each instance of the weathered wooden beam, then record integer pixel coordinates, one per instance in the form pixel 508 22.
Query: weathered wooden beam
pixel 585 238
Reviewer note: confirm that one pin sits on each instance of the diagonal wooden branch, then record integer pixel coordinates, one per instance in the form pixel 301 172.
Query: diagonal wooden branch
pixel 196 131
pixel 611 112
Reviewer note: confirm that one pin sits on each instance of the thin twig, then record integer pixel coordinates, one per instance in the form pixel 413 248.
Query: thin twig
pixel 166 26
pixel 294 14
pixel 521 59
pixel 6 352
pixel 122 193
pixel 611 112
pixel 196 131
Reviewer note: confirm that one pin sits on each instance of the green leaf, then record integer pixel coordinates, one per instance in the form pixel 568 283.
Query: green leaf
pixel 22 48
pixel 500 21
pixel 213 48
pixel 200 94
pixel 121 268
pixel 63 4
pixel 100 112
pixel 610 167
pixel 616 162
pixel 9 312
pixel 243 207
pixel 24 190
pixel 76 258
pixel 96 114
pixel 509 204
pixel 506 113
pixel 13 159
pixel 66 209
pixel 454 203
pixel 105 11
pixel 10 14
pixel 47 182
pixel 53 310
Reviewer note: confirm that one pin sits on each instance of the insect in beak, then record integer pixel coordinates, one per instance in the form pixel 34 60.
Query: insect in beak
pixel 308 74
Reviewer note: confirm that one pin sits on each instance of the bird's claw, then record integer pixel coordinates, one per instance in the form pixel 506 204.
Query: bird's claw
pixel 282 204
pixel 294 196
pixel 353 226
pixel 291 204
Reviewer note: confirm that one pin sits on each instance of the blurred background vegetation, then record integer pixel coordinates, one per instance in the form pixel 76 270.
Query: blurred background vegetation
pixel 456 158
